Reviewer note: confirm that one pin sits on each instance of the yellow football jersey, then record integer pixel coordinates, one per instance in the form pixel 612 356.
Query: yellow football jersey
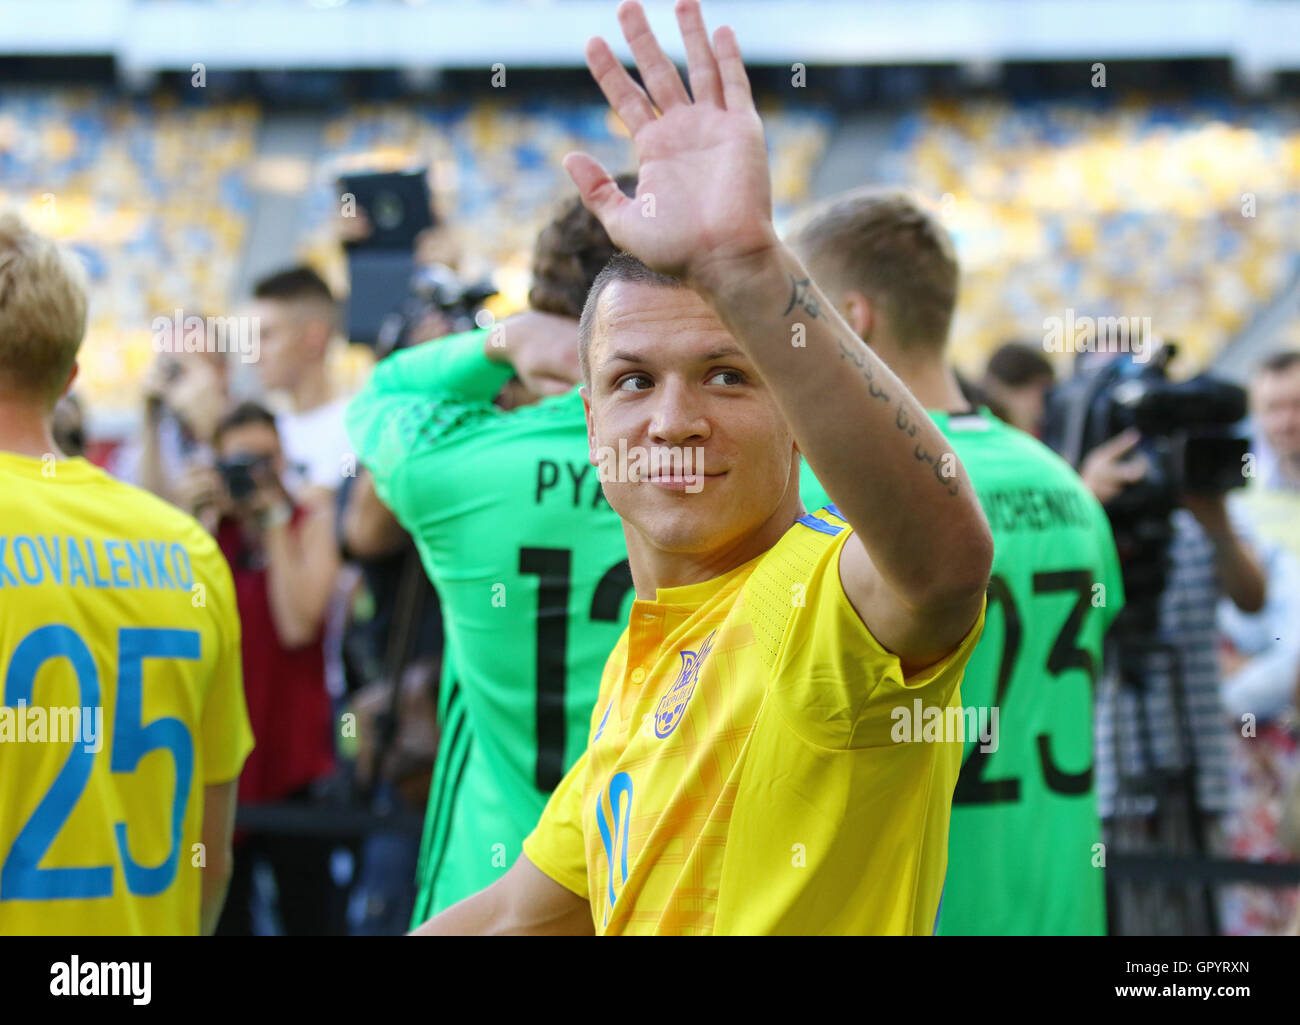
pixel 742 775
pixel 123 697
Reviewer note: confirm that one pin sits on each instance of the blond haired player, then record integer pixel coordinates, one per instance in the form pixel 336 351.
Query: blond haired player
pixel 740 776
pixel 122 720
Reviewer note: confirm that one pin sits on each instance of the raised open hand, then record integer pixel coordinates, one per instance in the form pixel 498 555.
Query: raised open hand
pixel 703 198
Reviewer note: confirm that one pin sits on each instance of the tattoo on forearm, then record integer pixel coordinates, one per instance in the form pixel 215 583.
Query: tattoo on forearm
pixel 859 361
pixel 801 295
pixel 905 424
pixel 922 456
pixel 902 418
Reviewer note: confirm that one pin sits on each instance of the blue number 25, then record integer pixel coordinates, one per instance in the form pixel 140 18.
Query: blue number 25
pixel 21 878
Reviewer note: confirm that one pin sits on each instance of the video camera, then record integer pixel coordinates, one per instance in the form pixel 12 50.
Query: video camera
pixel 433 289
pixel 1190 446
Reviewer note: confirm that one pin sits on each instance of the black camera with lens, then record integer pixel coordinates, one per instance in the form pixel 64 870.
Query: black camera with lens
pixel 1191 445
pixel 240 473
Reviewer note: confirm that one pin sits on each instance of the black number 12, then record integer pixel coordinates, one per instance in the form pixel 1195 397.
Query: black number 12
pixel 553 569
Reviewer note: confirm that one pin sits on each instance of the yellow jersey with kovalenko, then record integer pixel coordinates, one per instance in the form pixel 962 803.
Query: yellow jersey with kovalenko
pixel 121 699
pixel 742 776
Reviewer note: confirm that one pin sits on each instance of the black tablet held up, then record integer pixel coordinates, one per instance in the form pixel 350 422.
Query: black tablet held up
pixel 398 204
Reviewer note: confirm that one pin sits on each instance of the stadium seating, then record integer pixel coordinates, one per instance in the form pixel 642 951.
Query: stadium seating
pixel 1106 210
pixel 149 193
pixel 155 197
pixel 1119 211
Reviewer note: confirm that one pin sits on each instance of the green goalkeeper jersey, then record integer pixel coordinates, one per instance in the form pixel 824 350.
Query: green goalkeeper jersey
pixel 1023 845
pixel 531 567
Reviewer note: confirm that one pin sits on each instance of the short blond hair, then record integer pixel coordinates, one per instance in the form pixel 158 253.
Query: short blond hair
pixel 42 311
pixel 884 244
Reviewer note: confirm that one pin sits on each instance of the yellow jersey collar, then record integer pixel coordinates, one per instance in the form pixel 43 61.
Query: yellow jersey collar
pixel 66 471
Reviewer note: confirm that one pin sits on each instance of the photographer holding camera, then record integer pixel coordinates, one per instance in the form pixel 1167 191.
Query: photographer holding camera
pixel 184 395
pixel 1161 456
pixel 284 564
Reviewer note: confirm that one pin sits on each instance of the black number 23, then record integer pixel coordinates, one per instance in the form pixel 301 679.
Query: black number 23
pixel 974 785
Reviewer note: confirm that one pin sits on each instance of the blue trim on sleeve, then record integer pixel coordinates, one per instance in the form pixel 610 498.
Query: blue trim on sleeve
pixel 821 526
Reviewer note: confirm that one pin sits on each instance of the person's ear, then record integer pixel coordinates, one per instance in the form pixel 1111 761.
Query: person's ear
pixel 859 313
pixel 585 393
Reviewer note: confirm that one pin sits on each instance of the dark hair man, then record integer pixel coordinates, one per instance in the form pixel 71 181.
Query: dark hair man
pixel 1017 380
pixel 297 318
pixel 1024 818
pixel 526 555
pixel 739 777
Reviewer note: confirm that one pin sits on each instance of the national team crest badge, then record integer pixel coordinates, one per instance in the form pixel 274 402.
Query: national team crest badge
pixel 672 706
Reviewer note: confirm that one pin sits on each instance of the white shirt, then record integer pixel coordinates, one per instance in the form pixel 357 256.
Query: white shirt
pixel 316 447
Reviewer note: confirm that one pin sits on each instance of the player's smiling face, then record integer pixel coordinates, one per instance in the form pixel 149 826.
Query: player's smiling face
pixel 694 453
